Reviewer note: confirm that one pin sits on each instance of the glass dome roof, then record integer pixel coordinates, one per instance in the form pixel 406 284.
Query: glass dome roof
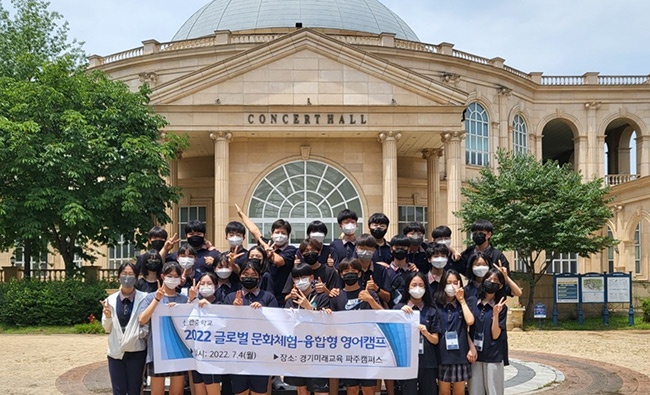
pixel 358 15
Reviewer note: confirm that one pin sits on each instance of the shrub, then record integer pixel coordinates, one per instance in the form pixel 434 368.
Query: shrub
pixel 66 302
pixel 646 310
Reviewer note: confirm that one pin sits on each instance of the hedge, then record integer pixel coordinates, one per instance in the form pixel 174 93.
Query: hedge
pixel 36 303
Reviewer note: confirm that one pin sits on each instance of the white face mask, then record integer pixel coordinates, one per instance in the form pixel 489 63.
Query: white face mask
pixel 450 290
pixel 446 242
pixel 416 292
pixel 279 239
pixel 317 236
pixel 480 271
pixel 235 241
pixel 302 284
pixel 438 262
pixel 186 262
pixel 349 229
pixel 206 290
pixel 223 272
pixel 172 282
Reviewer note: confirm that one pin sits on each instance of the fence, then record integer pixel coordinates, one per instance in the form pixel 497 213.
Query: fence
pixel 88 273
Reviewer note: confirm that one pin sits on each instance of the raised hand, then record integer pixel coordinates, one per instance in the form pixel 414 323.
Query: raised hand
pixel 192 292
pixel 371 286
pixel 171 243
pixel 107 308
pixel 302 301
pixel 502 269
pixel 498 307
pixel 296 260
pixel 460 294
pixel 160 292
pixel 234 255
pixel 320 286
pixel 365 294
pixel 239 301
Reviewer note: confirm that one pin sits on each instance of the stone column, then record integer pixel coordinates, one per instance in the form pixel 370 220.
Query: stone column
pixel 581 156
pixel 504 129
pixel 221 184
pixel 454 156
pixel 643 155
pixel 599 170
pixel 389 170
pixel 432 155
pixel 172 212
pixel 593 156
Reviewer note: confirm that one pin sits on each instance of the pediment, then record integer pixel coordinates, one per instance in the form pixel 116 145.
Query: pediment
pixel 305 68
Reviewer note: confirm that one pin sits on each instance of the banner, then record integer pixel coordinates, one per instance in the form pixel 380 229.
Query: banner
pixel 223 339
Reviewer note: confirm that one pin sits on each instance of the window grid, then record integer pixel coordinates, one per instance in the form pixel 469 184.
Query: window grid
pixel 409 214
pixel 637 248
pixel 123 252
pixel 301 192
pixel 519 135
pixel 564 263
pixel 187 214
pixel 477 139
pixel 520 265
pixel 20 259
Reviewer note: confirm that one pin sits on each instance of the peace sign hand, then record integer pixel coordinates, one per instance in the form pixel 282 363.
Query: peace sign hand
pixel 460 294
pixel 502 269
pixel 498 307
pixel 238 299
pixel 160 292
pixel 192 292
pixel 107 308
pixel 170 243
pixel 234 255
pixel 302 301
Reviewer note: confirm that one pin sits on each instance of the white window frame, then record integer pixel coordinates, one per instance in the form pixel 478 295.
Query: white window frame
pixel 519 135
pixel 477 136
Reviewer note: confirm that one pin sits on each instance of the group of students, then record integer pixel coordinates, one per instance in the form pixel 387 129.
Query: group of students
pixel 463 328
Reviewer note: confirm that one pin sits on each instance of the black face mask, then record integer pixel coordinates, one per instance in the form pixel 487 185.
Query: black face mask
pixel 478 238
pixel 399 254
pixel 310 257
pixel 153 265
pixel 491 287
pixel 350 278
pixel 196 241
pixel 157 244
pixel 249 282
pixel 378 233
pixel 256 261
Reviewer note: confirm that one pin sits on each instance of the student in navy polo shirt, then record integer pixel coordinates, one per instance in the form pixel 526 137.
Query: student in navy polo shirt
pixel 442 235
pixel 257 255
pixel 281 257
pixel 235 236
pixel 165 295
pixel 151 270
pixel 250 295
pixel 157 240
pixel 437 255
pixel 418 297
pixel 378 225
pixel 398 270
pixel 481 235
pixel 354 297
pixel 373 276
pixel 417 252
pixel 478 265
pixel 318 230
pixel 455 316
pixel 206 255
pixel 304 296
pixel 344 248
pixel 326 278
pixel 489 336
pixel 209 384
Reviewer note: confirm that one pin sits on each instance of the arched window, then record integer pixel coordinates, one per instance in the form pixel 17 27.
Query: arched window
pixel 519 135
pixel 301 192
pixel 477 128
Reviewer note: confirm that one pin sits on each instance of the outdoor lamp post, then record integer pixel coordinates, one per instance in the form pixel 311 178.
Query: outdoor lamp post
pixel 13 260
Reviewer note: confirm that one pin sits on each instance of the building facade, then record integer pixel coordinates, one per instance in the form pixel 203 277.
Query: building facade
pixel 299 115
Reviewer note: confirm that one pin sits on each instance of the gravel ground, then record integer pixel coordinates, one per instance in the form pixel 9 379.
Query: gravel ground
pixel 32 363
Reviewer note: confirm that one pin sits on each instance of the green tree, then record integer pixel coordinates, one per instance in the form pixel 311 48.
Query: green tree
pixel 538 208
pixel 81 157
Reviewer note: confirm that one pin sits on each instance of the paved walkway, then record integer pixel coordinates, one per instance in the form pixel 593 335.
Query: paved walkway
pixel 528 373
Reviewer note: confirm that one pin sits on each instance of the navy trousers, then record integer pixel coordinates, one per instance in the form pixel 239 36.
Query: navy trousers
pixel 126 373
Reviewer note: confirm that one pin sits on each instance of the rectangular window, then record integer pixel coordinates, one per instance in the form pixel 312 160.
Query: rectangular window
pixel 124 251
pixel 520 265
pixel 564 263
pixel 412 214
pixel 38 263
pixel 190 213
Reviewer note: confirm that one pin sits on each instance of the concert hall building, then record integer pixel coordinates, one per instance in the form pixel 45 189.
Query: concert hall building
pixel 298 109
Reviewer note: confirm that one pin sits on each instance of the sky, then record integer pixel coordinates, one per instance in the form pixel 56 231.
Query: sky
pixel 568 37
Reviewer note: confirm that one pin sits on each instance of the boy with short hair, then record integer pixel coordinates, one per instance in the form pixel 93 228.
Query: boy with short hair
pixel 378 225
pixel 481 235
pixel 281 256
pixel 344 248
pixel 374 275
pixel 417 251
pixel 235 235
pixel 157 240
